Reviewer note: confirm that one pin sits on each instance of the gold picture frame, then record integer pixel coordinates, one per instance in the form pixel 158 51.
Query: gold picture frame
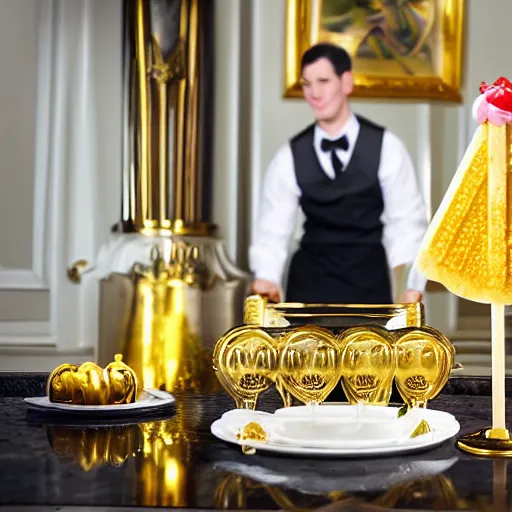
pixel 428 69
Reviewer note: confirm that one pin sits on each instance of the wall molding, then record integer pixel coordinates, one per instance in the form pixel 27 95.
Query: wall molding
pixel 26 334
pixel 35 278
pixel 39 277
pixel 21 279
pixel 40 359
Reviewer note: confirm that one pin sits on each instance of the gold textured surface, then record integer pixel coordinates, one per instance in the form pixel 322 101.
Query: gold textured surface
pixel 89 384
pixel 161 346
pixel 76 270
pixel 254 432
pixel 165 316
pixel 461 249
pixel 444 85
pixel 254 310
pixel 422 428
pixel 307 362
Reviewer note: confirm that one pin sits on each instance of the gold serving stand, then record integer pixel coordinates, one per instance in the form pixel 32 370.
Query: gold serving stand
pixel 306 350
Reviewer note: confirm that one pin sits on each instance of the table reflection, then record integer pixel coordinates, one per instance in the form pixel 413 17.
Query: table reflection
pixel 236 492
pixel 93 448
pixel 175 462
pixel 162 453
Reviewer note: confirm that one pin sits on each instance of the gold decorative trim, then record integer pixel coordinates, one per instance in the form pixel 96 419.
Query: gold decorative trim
pixel 176 227
pixel 492 442
pixel 258 310
pixel 301 33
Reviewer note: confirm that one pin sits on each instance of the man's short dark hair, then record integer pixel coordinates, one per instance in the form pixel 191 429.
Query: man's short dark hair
pixel 336 55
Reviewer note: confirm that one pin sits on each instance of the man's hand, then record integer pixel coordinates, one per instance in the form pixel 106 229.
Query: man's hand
pixel 266 289
pixel 410 296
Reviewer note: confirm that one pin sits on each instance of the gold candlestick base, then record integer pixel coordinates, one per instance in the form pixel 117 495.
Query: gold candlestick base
pixel 488 442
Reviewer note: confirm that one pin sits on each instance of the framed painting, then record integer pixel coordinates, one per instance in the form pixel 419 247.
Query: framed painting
pixel 400 48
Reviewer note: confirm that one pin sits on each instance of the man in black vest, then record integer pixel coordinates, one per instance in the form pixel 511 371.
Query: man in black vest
pixel 355 183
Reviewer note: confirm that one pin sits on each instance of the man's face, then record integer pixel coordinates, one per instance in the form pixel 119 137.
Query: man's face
pixel 325 91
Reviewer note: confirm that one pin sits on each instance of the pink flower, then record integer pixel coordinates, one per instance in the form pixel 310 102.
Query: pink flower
pixel 495 103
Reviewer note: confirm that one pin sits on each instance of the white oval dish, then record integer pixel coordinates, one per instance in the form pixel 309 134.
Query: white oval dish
pixel 338 430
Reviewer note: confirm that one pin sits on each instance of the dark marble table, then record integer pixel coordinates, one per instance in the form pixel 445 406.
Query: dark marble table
pixel 175 462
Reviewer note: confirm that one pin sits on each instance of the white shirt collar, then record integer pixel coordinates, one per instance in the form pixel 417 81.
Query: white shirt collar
pixel 350 129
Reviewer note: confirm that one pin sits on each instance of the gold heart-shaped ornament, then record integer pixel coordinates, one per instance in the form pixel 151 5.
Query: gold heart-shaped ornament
pixel 368 365
pixel 245 360
pixel 424 360
pixel 309 363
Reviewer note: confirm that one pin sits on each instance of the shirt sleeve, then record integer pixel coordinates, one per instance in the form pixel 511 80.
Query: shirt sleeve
pixel 404 216
pixel 276 220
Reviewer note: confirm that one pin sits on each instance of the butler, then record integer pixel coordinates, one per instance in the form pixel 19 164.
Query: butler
pixel 355 183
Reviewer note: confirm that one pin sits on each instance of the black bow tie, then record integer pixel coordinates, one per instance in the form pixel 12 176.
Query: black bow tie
pixel 332 145
pixel 341 143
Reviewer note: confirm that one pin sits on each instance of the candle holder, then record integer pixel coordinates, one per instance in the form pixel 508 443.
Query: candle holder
pixel 364 347
pixel 488 442
pixel 493 441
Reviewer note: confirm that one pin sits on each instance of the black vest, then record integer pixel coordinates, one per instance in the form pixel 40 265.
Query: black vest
pixel 347 209
pixel 341 258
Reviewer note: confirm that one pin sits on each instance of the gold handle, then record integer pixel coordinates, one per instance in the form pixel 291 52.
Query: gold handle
pixel 76 270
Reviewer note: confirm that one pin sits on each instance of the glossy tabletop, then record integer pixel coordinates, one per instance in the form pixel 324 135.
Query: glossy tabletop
pixel 175 462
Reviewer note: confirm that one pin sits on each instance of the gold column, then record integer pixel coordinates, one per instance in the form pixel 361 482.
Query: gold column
pixel 166 314
pixel 165 77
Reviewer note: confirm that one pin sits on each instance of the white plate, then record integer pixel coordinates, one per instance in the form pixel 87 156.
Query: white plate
pixel 149 400
pixel 444 426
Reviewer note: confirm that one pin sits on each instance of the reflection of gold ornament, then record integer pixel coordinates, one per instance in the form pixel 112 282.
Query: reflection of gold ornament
pixel 234 490
pixel 309 363
pixel 92 448
pixel 424 360
pixel 368 362
pixel 88 384
pixel 245 361
pixel 438 491
pixel 165 466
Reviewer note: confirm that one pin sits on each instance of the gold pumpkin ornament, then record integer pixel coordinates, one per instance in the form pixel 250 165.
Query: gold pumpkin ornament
pixel 89 384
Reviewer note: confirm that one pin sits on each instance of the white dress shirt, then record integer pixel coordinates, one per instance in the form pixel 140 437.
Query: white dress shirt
pixel 404 217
